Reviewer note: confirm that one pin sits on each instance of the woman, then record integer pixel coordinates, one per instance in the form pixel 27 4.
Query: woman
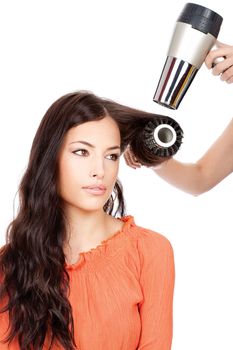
pixel 73 274
pixel 217 163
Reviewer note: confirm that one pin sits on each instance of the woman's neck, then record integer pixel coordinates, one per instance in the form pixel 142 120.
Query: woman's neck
pixel 86 230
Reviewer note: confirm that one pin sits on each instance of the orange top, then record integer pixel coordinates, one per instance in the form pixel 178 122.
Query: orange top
pixel 121 293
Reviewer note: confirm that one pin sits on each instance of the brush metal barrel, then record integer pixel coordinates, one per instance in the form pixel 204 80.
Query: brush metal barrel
pixel 165 135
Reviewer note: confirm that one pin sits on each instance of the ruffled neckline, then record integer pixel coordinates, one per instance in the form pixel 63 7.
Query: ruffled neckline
pixel 107 245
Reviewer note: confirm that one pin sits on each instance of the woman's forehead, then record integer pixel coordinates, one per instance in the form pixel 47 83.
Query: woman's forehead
pixel 103 130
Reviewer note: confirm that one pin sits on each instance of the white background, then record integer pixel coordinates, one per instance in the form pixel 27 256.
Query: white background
pixel 117 49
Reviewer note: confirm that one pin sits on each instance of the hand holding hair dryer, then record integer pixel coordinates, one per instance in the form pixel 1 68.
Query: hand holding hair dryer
pixel 195 33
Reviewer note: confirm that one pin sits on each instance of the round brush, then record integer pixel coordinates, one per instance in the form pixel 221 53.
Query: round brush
pixel 163 136
pixel 158 141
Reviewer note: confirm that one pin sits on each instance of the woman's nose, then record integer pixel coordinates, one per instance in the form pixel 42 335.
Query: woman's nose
pixel 97 169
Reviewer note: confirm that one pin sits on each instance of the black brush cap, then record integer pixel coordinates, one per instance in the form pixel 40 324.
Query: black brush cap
pixel 201 18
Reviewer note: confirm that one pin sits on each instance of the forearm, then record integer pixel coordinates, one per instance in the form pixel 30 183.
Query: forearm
pixel 188 177
pixel 199 177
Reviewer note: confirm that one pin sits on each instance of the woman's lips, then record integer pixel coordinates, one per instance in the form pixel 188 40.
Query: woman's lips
pixel 95 190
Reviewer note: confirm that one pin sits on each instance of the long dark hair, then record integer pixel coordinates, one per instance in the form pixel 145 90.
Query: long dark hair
pixel 32 263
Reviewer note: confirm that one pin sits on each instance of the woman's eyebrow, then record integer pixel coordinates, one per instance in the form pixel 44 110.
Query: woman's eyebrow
pixel 90 145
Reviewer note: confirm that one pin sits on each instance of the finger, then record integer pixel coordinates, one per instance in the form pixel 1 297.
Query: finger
pixel 130 159
pixel 129 163
pixel 126 159
pixel 223 67
pixel 230 81
pixel 219 50
pixel 227 74
pixel 133 159
pixel 220 68
pixel 213 55
pixel 219 44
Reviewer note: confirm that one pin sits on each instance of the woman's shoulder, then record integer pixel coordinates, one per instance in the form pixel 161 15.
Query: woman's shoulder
pixel 148 240
pixel 145 233
pixel 149 250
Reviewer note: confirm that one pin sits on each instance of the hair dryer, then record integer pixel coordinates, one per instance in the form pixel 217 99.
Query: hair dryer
pixel 194 35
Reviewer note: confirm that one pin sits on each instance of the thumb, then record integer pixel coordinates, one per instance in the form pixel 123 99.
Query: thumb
pixel 220 44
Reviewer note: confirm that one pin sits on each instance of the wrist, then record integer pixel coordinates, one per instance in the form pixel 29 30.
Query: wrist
pixel 159 166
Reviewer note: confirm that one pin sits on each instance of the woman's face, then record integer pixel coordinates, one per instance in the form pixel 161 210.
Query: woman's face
pixel 89 163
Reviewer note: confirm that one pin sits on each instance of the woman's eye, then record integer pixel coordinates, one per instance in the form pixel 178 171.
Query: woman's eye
pixel 113 156
pixel 81 152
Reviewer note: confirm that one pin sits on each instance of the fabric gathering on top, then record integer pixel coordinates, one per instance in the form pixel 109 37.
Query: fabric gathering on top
pixel 121 293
